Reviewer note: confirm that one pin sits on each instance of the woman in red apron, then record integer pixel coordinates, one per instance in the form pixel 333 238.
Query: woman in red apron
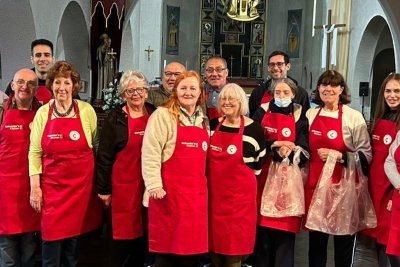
pixel 284 129
pixel 333 126
pixel 392 169
pixel 61 162
pixel 173 166
pixel 18 221
pixel 236 155
pixel 383 134
pixel 119 171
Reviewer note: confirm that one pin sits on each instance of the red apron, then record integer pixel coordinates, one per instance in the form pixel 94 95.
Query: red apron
pixel 233 207
pixel 70 204
pixel 43 94
pixel 282 128
pixel 266 97
pixel 212 112
pixel 128 184
pixel 325 132
pixel 393 244
pixel 379 185
pixel 178 223
pixel 17 216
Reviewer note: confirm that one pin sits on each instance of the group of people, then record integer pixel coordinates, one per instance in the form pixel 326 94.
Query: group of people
pixel 184 167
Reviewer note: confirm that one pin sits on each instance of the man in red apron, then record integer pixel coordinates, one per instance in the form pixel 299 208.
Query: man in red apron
pixel 18 221
pixel 42 59
pixel 216 72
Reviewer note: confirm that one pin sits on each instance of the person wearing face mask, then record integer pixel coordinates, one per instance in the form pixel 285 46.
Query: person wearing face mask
pixel 161 94
pixel 285 127
pixel 278 67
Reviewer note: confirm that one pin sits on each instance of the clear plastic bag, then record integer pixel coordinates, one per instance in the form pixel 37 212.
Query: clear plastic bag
pixel 283 193
pixel 341 208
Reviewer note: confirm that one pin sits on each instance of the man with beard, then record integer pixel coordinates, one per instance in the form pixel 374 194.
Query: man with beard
pixel 278 66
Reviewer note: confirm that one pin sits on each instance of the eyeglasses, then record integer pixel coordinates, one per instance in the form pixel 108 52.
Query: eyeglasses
pixel 218 70
pixel 29 84
pixel 278 64
pixel 169 74
pixel 139 90
pixel 229 99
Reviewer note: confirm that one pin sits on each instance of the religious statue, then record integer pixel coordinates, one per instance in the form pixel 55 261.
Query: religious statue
pixel 106 64
pixel 173 35
pixel 242 10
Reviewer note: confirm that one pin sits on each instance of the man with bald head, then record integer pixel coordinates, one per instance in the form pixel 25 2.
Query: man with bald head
pixel 18 221
pixel 216 72
pixel 162 93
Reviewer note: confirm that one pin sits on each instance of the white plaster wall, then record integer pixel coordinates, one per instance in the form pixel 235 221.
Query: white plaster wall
pixel 359 69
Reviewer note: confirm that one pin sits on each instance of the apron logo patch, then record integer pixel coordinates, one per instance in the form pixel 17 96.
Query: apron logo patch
pixel 190 144
pixel 139 133
pixel 286 132
pixel 204 145
pixel 316 132
pixel 14 127
pixel 332 134
pixel 231 149
pixel 387 140
pixel 271 130
pixel 74 135
pixel 55 136
pixel 216 148
pixel 376 137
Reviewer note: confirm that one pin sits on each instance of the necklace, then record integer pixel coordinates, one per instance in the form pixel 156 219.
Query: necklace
pixel 62 115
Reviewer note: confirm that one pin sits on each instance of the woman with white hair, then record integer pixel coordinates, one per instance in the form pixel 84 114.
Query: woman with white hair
pixel 236 156
pixel 119 173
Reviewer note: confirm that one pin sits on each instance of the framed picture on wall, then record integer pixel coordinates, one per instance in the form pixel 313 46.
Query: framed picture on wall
pixel 256 67
pixel 208 4
pixel 257 33
pixel 293 33
pixel 207 31
pixel 231 38
pixel 232 26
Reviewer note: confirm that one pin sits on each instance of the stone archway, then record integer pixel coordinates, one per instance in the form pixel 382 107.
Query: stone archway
pixel 376 38
pixel 73 42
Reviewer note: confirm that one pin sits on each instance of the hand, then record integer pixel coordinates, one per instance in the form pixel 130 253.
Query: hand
pixel 389 205
pixel 324 152
pixel 36 199
pixel 157 193
pixel 106 199
pixel 288 144
pixel 284 151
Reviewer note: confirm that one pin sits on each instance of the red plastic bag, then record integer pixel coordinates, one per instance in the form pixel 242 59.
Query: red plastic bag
pixel 283 193
pixel 341 208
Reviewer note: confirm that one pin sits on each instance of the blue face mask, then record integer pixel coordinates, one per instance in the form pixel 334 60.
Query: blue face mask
pixel 283 102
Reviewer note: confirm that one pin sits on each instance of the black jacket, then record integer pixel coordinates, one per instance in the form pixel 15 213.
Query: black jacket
pixel 258 93
pixel 113 138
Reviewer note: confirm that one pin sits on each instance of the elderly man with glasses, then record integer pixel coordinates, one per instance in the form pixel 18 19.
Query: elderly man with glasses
pixel 278 66
pixel 216 72
pixel 161 94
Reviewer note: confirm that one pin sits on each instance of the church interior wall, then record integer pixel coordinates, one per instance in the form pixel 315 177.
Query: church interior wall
pixel 189 37
pixel 127 49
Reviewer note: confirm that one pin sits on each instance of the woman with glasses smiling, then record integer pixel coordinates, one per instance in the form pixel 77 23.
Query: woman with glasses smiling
pixel 236 156
pixel 118 170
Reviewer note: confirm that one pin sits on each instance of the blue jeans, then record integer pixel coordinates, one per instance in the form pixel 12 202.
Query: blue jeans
pixel 17 250
pixel 59 253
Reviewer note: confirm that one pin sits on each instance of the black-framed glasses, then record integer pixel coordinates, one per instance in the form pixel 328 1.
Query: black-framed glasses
pixel 169 74
pixel 139 90
pixel 278 64
pixel 30 84
pixel 217 70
